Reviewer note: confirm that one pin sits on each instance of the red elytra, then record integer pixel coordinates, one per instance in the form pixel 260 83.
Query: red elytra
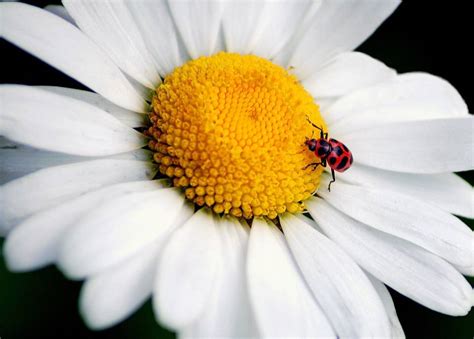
pixel 331 152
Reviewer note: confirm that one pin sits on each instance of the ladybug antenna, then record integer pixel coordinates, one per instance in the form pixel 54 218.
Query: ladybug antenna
pixel 304 147
pixel 302 151
pixel 323 135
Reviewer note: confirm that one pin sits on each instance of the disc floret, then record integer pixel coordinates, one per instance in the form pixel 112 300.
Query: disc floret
pixel 230 129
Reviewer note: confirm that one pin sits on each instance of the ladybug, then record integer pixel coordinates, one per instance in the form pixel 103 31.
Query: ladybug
pixel 331 152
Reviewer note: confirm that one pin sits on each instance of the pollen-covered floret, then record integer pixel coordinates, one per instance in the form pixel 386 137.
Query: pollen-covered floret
pixel 230 129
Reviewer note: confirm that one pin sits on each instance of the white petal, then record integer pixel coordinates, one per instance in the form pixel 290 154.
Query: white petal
pixel 188 270
pixel 228 315
pixel 111 296
pixel 337 26
pixel 66 48
pixel 349 300
pixel 19 160
pixel 61 12
pixel 126 116
pixel 199 23
pixel 159 33
pixel 145 92
pixel 118 228
pixel 323 104
pixel 58 123
pixel 345 73
pixel 403 216
pixel 282 303
pixel 139 154
pixel 112 27
pixel 407 268
pixel 429 146
pixel 466 270
pixel 384 294
pixel 410 96
pixel 446 191
pixel 270 34
pixel 241 25
pixel 45 188
pixel 34 243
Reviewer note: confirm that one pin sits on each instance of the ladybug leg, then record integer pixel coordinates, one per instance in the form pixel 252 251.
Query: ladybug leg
pixel 302 151
pixel 333 180
pixel 316 164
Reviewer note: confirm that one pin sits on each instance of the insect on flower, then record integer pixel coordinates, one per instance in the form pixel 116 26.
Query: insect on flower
pixel 332 152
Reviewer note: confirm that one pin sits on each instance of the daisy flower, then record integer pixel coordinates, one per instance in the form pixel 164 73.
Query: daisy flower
pixel 183 175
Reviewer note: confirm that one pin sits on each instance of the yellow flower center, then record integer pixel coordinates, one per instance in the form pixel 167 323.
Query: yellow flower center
pixel 230 130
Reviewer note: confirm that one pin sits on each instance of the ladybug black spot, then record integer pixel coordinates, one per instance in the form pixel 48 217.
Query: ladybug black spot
pixel 332 160
pixel 343 163
pixel 338 150
pixel 323 142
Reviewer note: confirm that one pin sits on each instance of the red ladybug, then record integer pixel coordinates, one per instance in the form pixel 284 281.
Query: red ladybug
pixel 331 152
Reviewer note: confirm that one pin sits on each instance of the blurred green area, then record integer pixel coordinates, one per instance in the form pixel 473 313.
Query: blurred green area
pixel 418 37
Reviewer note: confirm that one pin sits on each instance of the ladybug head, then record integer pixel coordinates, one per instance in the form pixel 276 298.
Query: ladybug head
pixel 311 143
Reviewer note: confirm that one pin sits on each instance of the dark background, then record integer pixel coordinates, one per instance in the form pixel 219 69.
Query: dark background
pixel 424 36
